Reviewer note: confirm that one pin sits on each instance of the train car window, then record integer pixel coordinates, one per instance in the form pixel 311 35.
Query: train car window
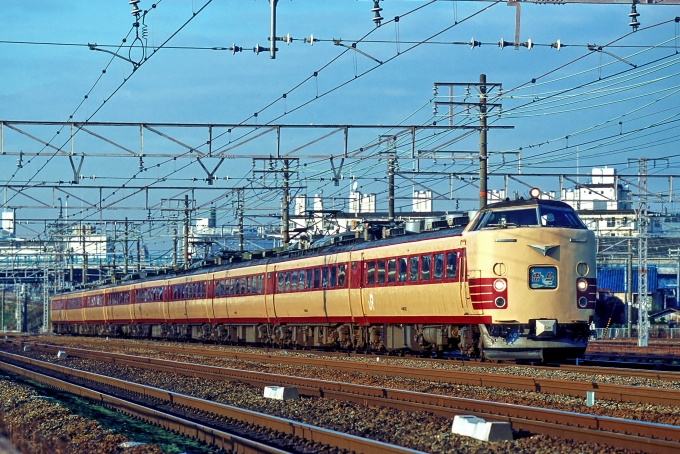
pixel 413 269
pixel 334 275
pixel 254 285
pixel 341 275
pixel 218 289
pixel 317 277
pixel 438 266
pixel 403 267
pixel 95 300
pixel 237 287
pixel 184 291
pixel 391 270
pixel 370 274
pixel 354 265
pixel 301 283
pixel 174 292
pixel 451 261
pixel 259 284
pixel 247 285
pixel 287 281
pixel 425 262
pixel 243 286
pixel 294 280
pixel 279 286
pixel 309 278
pixel 381 271
pixel 324 277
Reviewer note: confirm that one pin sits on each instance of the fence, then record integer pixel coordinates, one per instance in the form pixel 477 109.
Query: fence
pixel 654 333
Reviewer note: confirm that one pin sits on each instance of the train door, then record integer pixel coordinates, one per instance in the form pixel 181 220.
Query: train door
pixel 136 303
pixel 356 296
pixel 468 278
pixel 107 308
pixel 208 296
pixel 270 285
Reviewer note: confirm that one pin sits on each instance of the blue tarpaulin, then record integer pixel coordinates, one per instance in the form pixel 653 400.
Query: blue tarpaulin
pixel 613 278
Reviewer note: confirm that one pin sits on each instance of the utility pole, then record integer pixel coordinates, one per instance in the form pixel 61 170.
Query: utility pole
pixel 82 236
pixel 139 255
pixel 272 29
pixel 126 249
pixel 482 142
pixel 285 202
pixel 643 322
pixel 629 284
pixel 285 227
pixel 24 310
pixel 483 108
pixel 186 232
pixel 174 246
pixel 390 189
pixel 239 215
pixel 46 299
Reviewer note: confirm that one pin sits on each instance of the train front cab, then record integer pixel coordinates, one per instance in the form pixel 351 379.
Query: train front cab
pixel 532 268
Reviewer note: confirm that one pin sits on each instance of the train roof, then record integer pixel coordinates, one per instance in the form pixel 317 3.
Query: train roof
pixel 354 244
pixel 527 202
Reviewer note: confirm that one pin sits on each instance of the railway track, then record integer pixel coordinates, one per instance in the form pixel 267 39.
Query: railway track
pixel 572 388
pixel 613 363
pixel 195 417
pixel 617 432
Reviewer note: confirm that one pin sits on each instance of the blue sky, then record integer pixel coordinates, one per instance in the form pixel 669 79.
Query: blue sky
pixel 48 82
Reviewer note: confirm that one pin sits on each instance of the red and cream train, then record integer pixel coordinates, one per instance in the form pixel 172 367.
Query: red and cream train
pixel 517 282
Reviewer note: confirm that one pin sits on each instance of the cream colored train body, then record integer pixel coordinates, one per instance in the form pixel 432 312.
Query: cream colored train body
pixel 517 282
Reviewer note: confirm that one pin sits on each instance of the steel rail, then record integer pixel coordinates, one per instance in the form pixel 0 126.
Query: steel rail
pixel 622 393
pixel 175 424
pixel 588 428
pixel 303 431
pixel 471 364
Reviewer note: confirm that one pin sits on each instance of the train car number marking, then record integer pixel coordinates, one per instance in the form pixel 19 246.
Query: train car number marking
pixel 371 302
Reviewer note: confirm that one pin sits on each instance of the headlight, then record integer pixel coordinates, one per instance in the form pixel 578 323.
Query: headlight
pixel 499 285
pixel 582 285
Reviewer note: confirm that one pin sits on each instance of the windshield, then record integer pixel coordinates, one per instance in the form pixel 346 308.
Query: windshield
pixel 534 216
pixel 560 217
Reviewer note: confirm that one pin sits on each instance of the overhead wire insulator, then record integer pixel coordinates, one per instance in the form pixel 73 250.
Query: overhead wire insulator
pixel 474 43
pixel 257 49
pixel 309 40
pixel 502 43
pixel 235 48
pixel 135 9
pixel 557 45
pixel 377 18
pixel 528 44
pixel 633 18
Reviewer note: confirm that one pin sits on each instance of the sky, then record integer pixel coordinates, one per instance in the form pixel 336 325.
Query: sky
pixel 570 110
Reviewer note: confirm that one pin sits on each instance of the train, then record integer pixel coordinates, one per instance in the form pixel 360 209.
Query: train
pixel 517 281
